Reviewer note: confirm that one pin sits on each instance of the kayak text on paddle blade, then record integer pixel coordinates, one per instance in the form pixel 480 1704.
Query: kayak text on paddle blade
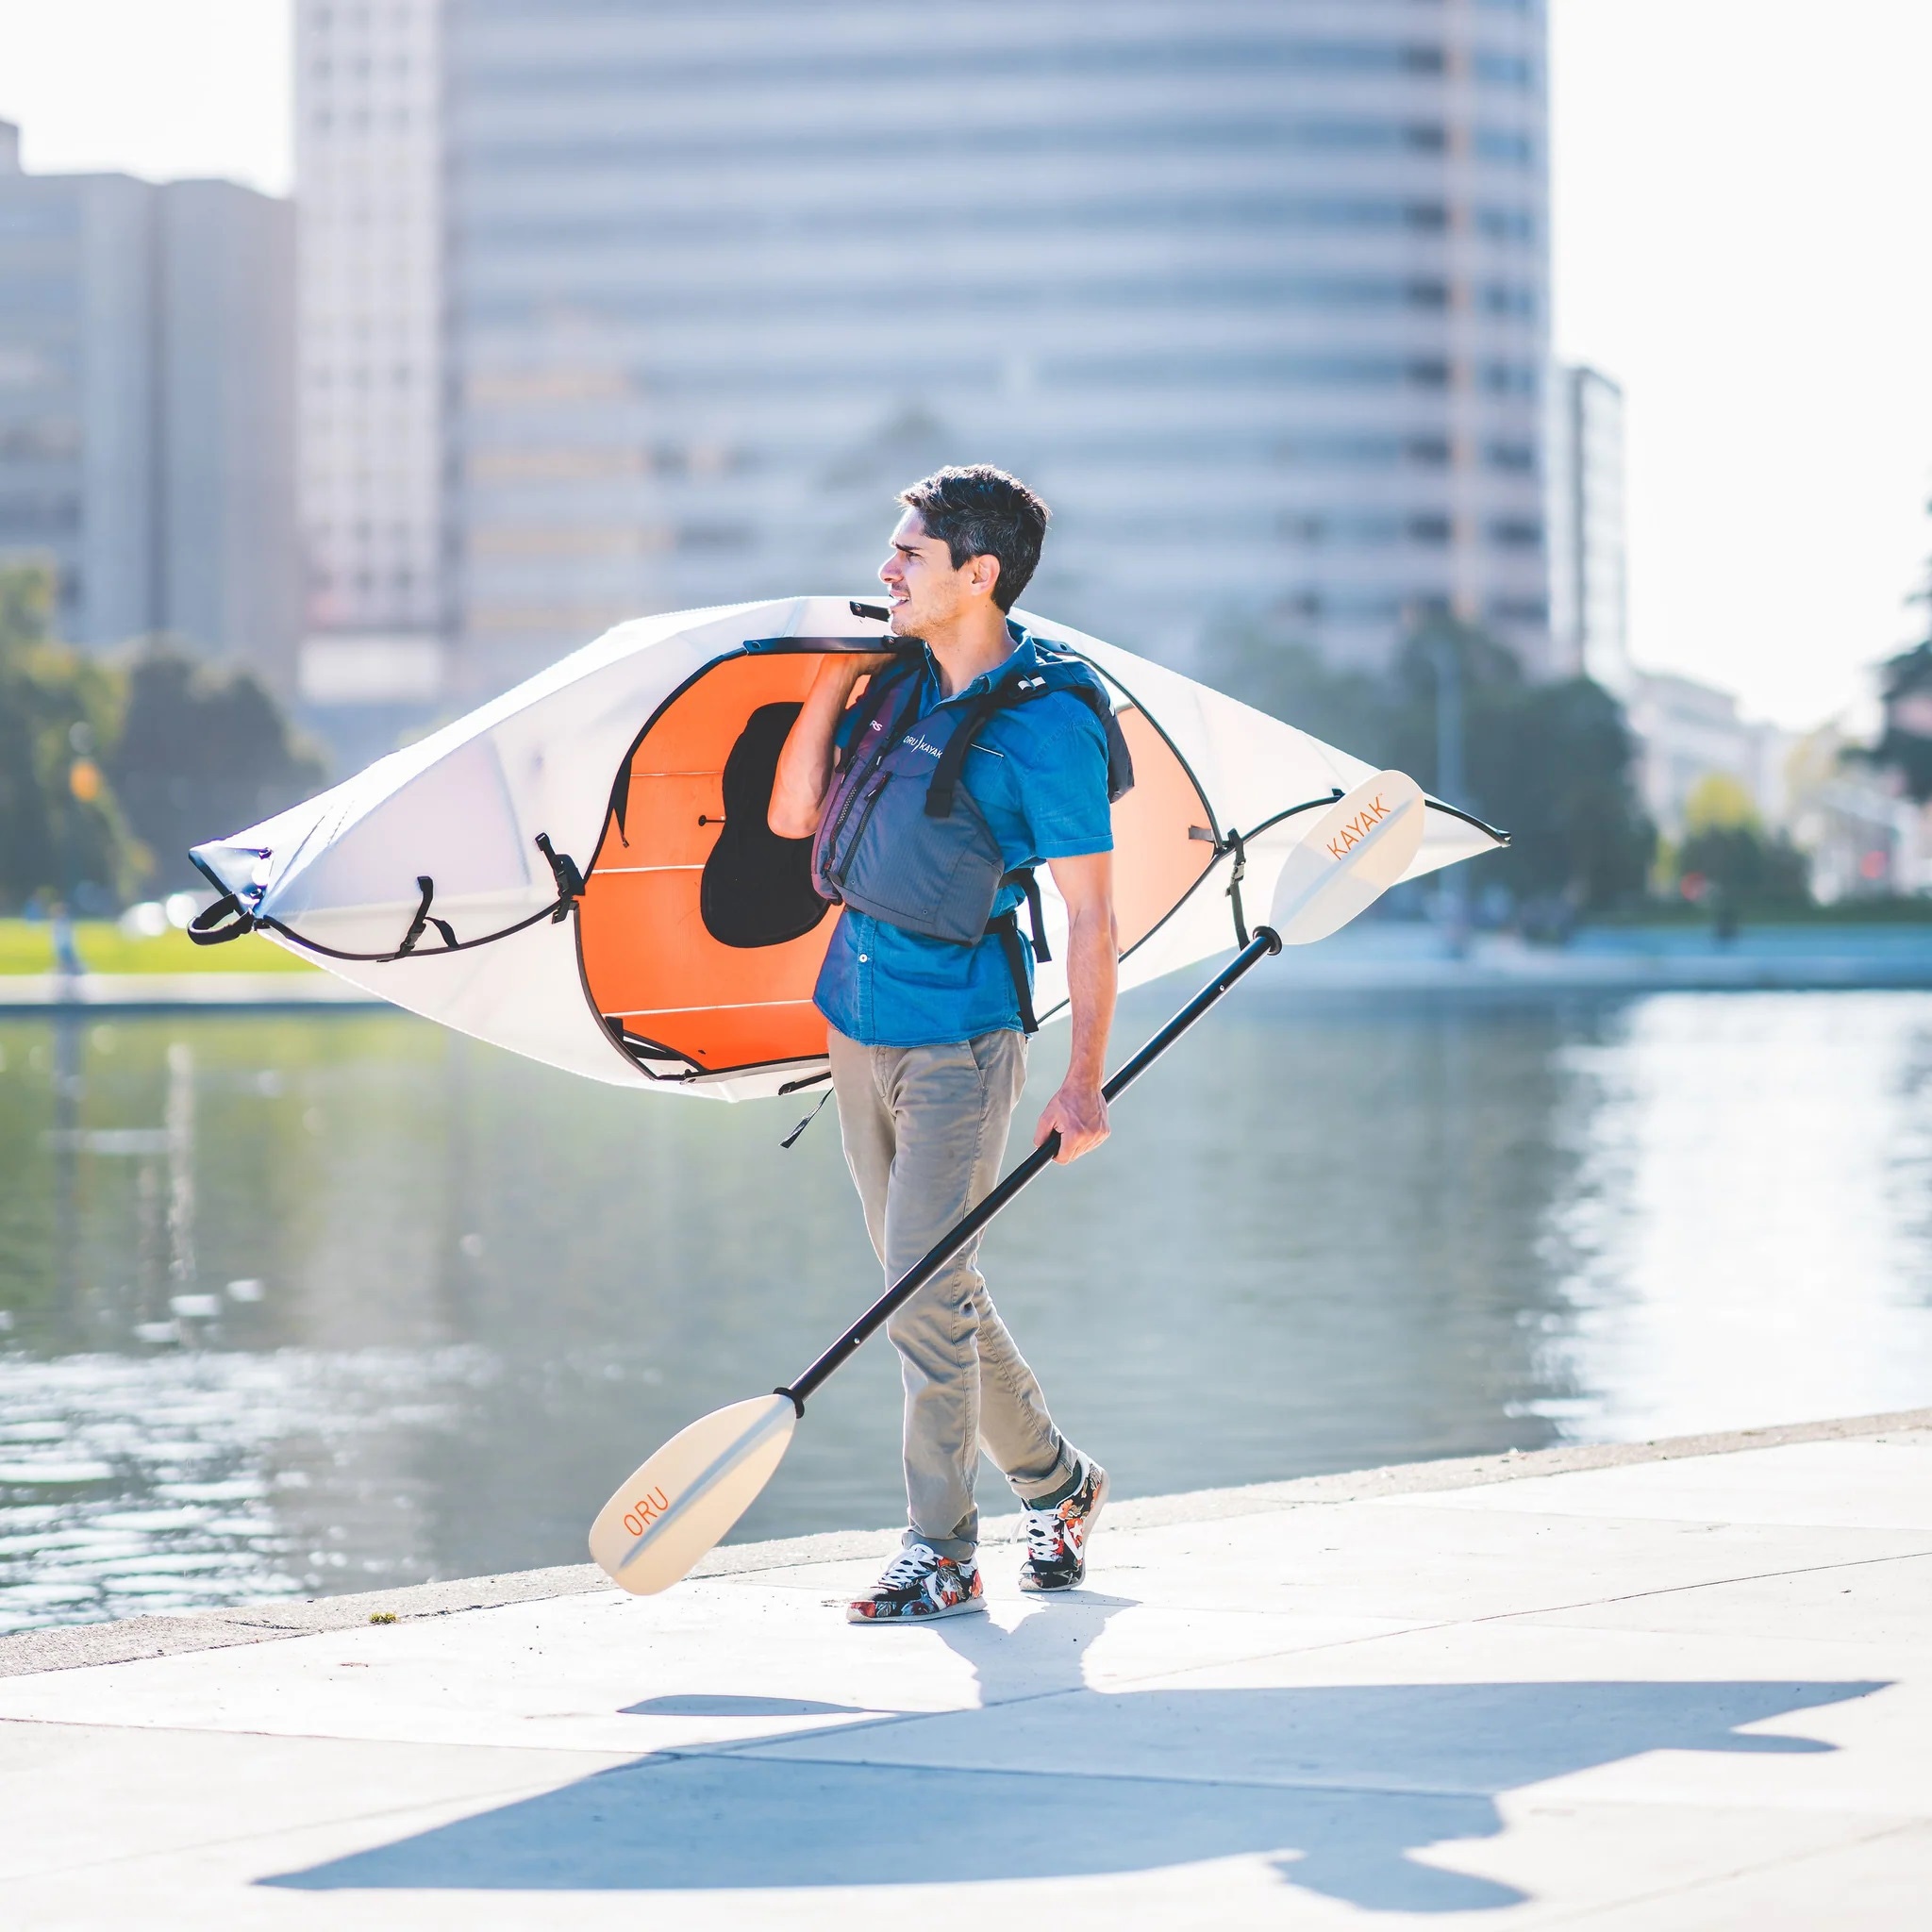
pixel 1360 847
pixel 681 1503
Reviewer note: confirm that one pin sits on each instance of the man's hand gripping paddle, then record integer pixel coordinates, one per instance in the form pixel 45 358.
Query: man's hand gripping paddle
pixel 678 1505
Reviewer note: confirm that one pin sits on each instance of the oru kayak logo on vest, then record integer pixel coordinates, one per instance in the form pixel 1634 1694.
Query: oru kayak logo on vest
pixel 1358 827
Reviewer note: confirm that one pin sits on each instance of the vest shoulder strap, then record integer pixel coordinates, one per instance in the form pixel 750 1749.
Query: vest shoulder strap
pixel 887 682
pixel 1055 675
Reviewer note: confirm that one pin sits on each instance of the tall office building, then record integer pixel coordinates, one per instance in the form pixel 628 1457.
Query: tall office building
pixel 1589 619
pixel 1254 290
pixel 77 417
pixel 229 567
pixel 368 161
pixel 146 435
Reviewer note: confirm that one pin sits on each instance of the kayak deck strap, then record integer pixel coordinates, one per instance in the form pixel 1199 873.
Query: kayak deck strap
pixel 208 929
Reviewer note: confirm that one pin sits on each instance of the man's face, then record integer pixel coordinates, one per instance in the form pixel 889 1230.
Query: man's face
pixel 924 590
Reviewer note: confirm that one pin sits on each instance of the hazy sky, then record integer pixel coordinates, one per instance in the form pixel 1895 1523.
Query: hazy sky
pixel 160 88
pixel 1743 205
pixel 1743 195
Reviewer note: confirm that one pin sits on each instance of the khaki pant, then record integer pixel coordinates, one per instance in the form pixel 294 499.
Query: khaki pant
pixel 924 1130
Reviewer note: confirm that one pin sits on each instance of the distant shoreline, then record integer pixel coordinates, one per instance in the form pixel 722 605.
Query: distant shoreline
pixel 172 975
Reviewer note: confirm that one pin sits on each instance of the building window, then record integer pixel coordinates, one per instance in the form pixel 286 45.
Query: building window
pixel 1503 70
pixel 1509 298
pixel 1503 146
pixel 1505 224
pixel 1508 379
pixel 1517 533
pixel 1365 530
pixel 1342 451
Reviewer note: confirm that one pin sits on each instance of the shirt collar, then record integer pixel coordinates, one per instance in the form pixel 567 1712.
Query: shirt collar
pixel 1025 655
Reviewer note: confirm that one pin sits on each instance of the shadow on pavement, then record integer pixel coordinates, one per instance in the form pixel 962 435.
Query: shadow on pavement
pixel 1338 1785
pixel 725 1706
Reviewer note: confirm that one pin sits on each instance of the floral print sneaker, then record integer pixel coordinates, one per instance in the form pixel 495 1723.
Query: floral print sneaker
pixel 917 1583
pixel 1057 1536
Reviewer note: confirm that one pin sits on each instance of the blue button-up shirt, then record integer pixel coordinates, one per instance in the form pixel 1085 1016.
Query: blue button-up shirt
pixel 1038 773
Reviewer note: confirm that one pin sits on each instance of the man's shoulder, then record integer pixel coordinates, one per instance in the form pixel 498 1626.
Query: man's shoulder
pixel 1074 691
pixel 1051 726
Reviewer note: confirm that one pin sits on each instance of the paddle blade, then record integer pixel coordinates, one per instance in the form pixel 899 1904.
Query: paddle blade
pixel 676 1509
pixel 1349 858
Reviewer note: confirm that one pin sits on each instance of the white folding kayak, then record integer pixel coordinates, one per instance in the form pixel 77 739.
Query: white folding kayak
pixel 557 872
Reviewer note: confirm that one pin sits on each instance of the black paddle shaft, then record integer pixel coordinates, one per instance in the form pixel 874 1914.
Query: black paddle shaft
pixel 1265 945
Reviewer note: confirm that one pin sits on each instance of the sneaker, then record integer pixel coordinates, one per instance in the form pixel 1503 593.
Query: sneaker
pixel 1056 1537
pixel 917 1583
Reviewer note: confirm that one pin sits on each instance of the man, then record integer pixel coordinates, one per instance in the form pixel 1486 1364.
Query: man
pixel 928 999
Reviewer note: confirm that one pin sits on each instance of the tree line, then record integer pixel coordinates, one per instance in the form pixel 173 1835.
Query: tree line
pixel 110 767
pixel 1552 762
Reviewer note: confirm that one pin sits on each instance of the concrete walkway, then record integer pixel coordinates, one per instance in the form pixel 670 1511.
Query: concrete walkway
pixel 1671 1685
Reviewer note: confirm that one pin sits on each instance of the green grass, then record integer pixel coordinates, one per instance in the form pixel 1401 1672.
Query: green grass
pixel 27 945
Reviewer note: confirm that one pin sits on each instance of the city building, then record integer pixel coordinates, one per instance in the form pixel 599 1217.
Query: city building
pixel 78 414
pixel 1255 292
pixel 1589 621
pixel 146 412
pixel 1687 732
pixel 368 163
pixel 1862 836
pixel 229 562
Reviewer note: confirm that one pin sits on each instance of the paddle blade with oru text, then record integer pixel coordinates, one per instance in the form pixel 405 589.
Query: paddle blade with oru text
pixel 678 1505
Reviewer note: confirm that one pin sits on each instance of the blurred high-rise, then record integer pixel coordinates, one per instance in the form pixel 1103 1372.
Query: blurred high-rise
pixel 1589 624
pixel 367 161
pixel 146 407
pixel 1254 290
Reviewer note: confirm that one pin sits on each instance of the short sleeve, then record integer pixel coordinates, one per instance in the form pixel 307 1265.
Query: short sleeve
pixel 1063 790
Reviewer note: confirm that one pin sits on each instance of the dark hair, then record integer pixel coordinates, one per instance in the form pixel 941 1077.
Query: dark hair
pixel 977 510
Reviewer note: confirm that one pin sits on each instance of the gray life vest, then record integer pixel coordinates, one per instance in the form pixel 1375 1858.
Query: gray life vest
pixel 902 837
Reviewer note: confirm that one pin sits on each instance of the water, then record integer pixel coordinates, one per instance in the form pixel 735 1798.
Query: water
pixel 303 1305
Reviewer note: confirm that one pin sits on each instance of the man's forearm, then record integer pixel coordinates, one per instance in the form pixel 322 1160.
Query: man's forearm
pixel 804 764
pixel 1093 980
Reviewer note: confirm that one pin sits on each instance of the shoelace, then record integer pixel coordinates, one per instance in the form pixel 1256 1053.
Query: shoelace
pixel 1045 1534
pixel 909 1566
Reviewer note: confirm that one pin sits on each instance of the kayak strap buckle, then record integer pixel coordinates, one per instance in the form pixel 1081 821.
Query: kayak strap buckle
pixel 1235 843
pixel 1238 845
pixel 569 881
pixel 424 919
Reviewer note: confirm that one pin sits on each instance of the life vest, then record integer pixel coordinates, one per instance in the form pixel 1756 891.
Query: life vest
pixel 902 837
